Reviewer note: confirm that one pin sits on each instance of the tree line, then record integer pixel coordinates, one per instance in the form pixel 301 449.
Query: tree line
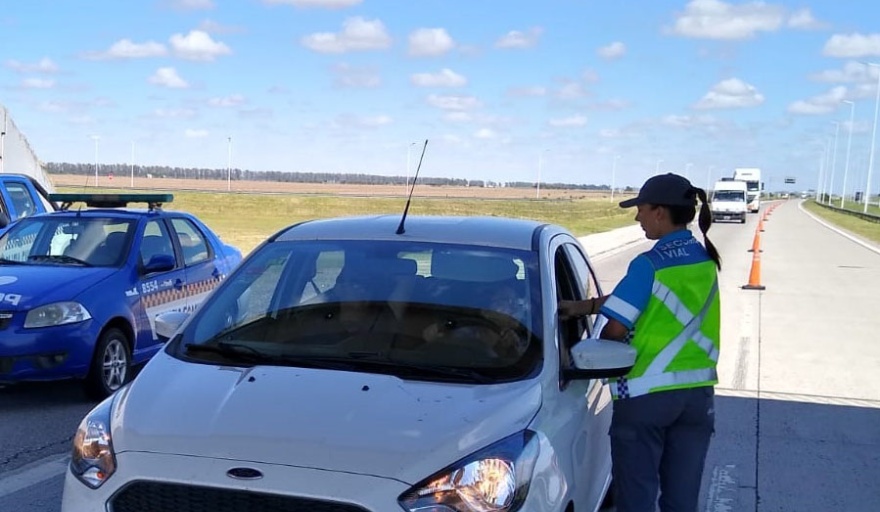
pixel 160 171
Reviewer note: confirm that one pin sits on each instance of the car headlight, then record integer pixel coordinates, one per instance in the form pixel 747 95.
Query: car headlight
pixel 494 479
pixel 92 460
pixel 59 313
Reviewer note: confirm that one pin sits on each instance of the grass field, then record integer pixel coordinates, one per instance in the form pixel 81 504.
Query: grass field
pixel 244 219
pixel 863 228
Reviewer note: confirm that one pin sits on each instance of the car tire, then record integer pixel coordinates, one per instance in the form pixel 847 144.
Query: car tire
pixel 111 365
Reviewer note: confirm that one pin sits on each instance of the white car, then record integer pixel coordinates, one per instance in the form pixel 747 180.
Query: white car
pixel 367 365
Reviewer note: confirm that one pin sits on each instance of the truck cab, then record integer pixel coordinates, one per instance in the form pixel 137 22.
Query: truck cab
pixel 21 196
pixel 729 200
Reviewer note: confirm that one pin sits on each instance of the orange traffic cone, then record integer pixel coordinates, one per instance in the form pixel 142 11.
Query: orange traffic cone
pixel 760 226
pixel 756 242
pixel 755 274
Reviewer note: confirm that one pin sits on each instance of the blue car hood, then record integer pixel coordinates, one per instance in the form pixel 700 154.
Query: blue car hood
pixel 23 287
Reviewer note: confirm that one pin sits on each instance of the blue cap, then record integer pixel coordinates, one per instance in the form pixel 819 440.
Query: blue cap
pixel 666 190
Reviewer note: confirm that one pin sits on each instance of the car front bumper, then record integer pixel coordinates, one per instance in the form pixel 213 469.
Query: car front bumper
pixel 48 353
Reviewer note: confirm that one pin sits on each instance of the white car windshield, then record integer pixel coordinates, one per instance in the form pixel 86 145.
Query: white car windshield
pixel 730 196
pixel 416 310
pixel 82 241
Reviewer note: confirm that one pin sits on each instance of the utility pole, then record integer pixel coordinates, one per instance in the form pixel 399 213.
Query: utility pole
pixel 229 165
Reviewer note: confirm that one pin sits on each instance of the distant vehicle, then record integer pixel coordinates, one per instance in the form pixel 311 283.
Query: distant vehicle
pixel 346 367
pixel 729 200
pixel 80 289
pixel 21 196
pixel 752 177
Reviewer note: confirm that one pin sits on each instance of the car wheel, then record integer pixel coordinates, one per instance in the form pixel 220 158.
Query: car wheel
pixel 111 365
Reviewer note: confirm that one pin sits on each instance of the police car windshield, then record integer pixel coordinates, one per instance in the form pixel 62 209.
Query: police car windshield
pixel 382 307
pixel 79 241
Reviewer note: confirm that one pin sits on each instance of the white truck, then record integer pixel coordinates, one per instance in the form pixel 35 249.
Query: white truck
pixel 729 200
pixel 752 177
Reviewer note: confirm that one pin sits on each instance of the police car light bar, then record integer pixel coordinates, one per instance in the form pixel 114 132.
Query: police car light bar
pixel 154 201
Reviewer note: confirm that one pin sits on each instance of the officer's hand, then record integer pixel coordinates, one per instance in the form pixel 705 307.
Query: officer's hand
pixel 568 309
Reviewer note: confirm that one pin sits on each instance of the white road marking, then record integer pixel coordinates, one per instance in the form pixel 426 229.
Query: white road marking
pixel 838 231
pixel 32 474
pixel 721 495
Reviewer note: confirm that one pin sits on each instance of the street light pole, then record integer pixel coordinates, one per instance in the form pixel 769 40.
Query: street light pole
pixel 873 140
pixel 657 168
pixel 852 113
pixel 613 175
pixel 820 180
pixel 687 169
pixel 229 164
pixel 96 138
pixel 833 161
pixel 709 177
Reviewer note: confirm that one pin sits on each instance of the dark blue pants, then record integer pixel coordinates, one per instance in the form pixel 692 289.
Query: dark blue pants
pixel 658 445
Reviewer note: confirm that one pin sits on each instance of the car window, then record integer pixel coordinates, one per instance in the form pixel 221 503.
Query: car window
pixel 406 305
pixel 21 199
pixel 582 273
pixel 93 241
pixel 155 242
pixel 192 242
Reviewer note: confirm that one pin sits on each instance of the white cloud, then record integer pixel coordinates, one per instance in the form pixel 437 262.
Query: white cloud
pixel 356 77
pixel 485 133
pixel 374 121
pixel 458 117
pixel 821 104
pixel 233 100
pixel 590 76
pixel 44 65
pixel 686 121
pixel 571 90
pixel 731 93
pixel 168 77
pixel 613 104
pixel 519 39
pixel 174 113
pixel 454 102
pixel 197 45
pixel 358 34
pixel 714 19
pixel 327 4
pixel 612 51
pixel 445 78
pixel 852 71
pixel 192 5
pixel 852 45
pixel 214 27
pixel 534 90
pixel 430 42
pixel 803 19
pixel 610 133
pixel 126 49
pixel 37 83
pixel 569 122
pixel 195 134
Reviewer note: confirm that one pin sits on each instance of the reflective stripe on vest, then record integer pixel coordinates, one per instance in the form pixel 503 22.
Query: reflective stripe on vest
pixel 655 375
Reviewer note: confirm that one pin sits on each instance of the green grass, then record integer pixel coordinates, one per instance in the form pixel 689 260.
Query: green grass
pixel 866 229
pixel 245 220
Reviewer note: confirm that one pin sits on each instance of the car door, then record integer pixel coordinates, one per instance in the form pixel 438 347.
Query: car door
pixel 157 291
pixel 588 401
pixel 199 261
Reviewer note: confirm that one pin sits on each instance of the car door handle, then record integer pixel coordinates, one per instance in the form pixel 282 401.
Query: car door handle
pixel 216 272
pixel 179 284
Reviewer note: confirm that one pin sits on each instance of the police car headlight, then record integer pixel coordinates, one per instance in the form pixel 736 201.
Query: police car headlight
pixel 59 313
pixel 92 460
pixel 495 479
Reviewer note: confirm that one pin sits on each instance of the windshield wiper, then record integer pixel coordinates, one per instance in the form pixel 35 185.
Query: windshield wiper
pixel 410 370
pixel 230 350
pixel 60 258
pixel 4 261
pixel 248 354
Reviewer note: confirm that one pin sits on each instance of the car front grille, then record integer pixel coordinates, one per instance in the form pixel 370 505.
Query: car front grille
pixel 165 497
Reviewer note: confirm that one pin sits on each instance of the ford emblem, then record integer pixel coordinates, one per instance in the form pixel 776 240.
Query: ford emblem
pixel 244 474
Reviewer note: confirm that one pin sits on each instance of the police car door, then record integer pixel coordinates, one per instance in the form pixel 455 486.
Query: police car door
pixel 162 278
pixel 586 399
pixel 202 273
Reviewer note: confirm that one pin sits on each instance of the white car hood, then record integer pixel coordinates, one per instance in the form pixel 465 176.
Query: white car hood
pixel 340 421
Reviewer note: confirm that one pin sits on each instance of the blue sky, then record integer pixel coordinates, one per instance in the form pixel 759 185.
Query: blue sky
pixel 501 89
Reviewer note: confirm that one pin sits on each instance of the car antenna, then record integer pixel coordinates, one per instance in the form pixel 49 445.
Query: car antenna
pixel 400 229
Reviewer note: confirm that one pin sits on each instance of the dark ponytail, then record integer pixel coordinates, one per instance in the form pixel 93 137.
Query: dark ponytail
pixel 705 223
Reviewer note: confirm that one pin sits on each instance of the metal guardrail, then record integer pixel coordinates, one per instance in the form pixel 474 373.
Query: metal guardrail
pixel 864 216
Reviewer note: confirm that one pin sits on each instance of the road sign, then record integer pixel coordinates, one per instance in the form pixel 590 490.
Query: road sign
pixel 789 180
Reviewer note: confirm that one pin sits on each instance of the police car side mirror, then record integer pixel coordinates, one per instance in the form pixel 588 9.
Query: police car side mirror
pixel 600 359
pixel 168 323
pixel 160 263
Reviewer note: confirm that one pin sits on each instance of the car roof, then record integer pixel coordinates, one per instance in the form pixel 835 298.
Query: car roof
pixel 469 230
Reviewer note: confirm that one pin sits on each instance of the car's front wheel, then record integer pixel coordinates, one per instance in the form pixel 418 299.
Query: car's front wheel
pixel 111 364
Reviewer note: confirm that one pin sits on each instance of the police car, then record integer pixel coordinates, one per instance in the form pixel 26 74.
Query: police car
pixel 360 365
pixel 80 288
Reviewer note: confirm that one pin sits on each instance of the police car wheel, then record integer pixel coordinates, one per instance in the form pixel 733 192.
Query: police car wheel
pixel 111 365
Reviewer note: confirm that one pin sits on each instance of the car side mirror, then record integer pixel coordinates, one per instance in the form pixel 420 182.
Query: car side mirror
pixel 160 263
pixel 600 359
pixel 168 323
